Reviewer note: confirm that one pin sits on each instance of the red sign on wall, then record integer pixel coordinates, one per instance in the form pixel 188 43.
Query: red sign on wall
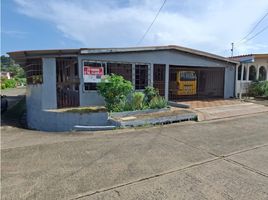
pixel 93 74
pixel 93 71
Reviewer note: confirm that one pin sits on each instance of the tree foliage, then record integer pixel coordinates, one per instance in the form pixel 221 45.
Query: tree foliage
pixel 8 65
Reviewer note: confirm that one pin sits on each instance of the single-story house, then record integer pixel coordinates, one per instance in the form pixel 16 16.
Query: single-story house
pixel 67 77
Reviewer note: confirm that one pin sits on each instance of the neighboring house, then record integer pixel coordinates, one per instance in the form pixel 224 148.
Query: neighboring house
pixel 67 77
pixel 6 75
pixel 253 67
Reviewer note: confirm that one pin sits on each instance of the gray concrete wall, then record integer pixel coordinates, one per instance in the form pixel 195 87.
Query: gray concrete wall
pixel 229 82
pixel 168 57
pixel 49 93
pixel 51 120
pixel 34 104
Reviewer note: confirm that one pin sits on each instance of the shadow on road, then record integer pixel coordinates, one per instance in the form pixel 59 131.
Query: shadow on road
pixel 16 113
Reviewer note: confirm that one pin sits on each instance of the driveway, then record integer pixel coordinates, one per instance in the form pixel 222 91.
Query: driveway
pixel 220 159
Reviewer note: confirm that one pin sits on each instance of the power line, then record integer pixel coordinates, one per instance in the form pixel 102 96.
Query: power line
pixel 256 34
pixel 151 23
pixel 252 30
pixel 255 26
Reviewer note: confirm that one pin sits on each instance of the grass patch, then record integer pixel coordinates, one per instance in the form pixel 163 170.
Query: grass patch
pixel 89 109
pixel 16 112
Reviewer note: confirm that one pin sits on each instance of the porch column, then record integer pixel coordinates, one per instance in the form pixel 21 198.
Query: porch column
pixel 247 73
pixel 258 72
pixel 166 81
pixel 236 79
pixel 133 75
pixel 49 92
pixel 241 80
pixel 151 75
pixel 242 72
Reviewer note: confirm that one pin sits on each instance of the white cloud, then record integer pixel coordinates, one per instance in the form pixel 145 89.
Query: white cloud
pixel 209 25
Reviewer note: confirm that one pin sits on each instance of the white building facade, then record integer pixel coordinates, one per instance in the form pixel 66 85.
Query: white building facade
pixel 253 67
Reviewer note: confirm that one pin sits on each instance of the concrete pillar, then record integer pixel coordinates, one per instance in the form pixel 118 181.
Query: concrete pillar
pixel 241 80
pixel 236 72
pixel 166 82
pixel 257 72
pixel 236 79
pixel 151 83
pixel 133 75
pixel 49 91
pixel 247 72
pixel 242 72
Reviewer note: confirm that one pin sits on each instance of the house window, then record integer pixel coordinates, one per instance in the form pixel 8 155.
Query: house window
pixel 239 72
pixel 92 86
pixel 252 73
pixel 34 71
pixel 141 77
pixel 121 69
pixel 262 72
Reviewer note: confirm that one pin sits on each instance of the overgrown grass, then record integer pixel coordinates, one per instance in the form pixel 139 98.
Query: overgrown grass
pixel 16 112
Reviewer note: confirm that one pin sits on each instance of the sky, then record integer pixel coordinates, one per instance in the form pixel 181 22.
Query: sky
pixel 207 25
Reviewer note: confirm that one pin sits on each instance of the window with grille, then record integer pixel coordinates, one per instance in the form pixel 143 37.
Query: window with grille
pixel 141 77
pixel 92 86
pixel 121 69
pixel 34 71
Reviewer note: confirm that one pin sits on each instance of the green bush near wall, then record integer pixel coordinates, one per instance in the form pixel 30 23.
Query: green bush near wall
pixel 259 88
pixel 119 95
pixel 8 83
pixel 114 89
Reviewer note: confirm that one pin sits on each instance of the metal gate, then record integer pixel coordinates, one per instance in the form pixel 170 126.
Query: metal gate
pixel 159 78
pixel 67 82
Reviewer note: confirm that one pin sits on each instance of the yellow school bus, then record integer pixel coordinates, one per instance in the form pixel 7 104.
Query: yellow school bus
pixel 186 81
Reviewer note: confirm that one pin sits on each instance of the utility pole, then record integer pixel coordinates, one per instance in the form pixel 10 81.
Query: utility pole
pixel 232 49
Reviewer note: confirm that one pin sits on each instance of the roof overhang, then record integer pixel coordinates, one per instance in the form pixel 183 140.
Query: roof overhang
pixel 20 57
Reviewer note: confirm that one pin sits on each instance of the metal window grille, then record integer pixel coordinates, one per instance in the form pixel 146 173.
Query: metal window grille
pixel 141 76
pixel 34 71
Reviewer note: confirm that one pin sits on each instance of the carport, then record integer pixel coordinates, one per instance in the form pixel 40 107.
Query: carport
pixel 210 82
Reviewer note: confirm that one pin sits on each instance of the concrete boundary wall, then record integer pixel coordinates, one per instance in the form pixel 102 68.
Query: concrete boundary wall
pixel 51 120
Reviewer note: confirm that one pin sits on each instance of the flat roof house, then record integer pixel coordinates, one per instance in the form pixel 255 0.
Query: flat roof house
pixel 67 77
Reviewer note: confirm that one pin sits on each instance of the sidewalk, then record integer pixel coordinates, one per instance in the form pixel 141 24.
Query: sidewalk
pixel 226 111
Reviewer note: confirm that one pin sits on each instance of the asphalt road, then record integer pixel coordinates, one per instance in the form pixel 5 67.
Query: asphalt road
pixel 224 159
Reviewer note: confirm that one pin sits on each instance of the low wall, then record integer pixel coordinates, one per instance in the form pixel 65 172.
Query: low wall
pixel 54 121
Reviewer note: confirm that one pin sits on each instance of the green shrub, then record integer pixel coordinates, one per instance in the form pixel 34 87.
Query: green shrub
pixel 3 86
pixel 150 93
pixel 258 89
pixel 137 100
pixel 10 83
pixel 158 102
pixel 115 90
